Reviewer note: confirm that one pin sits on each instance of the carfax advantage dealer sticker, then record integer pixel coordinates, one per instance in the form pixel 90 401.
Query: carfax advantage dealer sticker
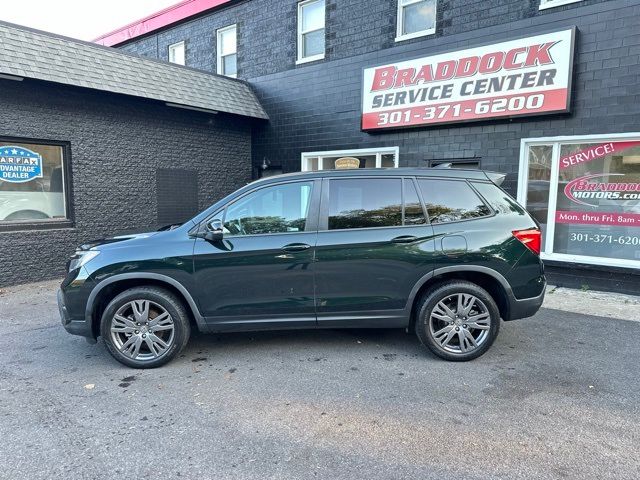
pixel 528 76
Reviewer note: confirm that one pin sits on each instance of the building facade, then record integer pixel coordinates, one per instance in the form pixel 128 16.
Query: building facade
pixel 571 98
pixel 545 91
pixel 85 155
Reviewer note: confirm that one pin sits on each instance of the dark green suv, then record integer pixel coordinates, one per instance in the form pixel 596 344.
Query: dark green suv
pixel 444 252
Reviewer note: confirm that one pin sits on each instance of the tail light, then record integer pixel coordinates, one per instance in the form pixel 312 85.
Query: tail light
pixel 530 238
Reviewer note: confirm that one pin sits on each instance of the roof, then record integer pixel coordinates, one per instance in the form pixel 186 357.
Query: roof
pixel 158 20
pixel 34 54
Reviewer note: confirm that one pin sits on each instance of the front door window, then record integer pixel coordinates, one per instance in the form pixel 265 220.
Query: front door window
pixel 277 209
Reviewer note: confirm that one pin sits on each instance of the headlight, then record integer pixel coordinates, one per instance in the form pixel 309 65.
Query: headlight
pixel 82 257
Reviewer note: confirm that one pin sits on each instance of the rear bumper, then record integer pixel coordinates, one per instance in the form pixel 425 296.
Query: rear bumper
pixel 526 307
pixel 73 326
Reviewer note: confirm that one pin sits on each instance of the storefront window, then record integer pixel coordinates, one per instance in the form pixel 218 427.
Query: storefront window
pixel 32 183
pixel 586 195
pixel 366 158
pixel 539 183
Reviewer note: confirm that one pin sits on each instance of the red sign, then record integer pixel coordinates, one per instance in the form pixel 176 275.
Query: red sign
pixel 528 76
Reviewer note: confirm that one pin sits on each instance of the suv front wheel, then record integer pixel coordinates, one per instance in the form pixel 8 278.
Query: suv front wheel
pixel 145 327
pixel 458 321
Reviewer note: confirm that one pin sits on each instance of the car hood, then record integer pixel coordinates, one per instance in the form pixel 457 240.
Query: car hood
pixel 103 242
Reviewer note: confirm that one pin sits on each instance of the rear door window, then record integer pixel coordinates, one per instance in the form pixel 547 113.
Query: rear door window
pixel 365 203
pixel 451 201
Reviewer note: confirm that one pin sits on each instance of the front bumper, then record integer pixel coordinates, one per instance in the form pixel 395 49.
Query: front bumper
pixel 73 326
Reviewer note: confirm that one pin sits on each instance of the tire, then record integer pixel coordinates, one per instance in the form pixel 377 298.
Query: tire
pixel 436 325
pixel 145 344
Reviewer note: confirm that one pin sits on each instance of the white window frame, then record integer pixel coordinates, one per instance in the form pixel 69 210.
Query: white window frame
pixel 301 34
pixel 219 56
pixel 523 181
pixel 399 20
pixel 174 46
pixel 306 157
pixel 544 4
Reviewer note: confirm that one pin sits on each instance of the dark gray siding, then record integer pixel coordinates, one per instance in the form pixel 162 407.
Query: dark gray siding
pixel 267 29
pixel 117 143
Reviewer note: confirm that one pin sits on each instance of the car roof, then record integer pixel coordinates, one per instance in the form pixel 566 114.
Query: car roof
pixel 470 174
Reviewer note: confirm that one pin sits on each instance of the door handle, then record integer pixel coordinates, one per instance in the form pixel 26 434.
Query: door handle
pixel 296 247
pixel 404 239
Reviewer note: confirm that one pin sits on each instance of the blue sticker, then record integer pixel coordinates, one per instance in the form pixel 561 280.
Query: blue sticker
pixel 19 164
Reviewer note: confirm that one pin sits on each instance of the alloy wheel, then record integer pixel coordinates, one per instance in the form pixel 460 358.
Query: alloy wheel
pixel 460 323
pixel 142 330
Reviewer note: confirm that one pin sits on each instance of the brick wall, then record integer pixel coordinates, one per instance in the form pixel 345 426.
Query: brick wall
pixel 117 143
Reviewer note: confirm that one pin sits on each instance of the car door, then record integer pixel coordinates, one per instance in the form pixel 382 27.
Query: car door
pixel 372 248
pixel 261 273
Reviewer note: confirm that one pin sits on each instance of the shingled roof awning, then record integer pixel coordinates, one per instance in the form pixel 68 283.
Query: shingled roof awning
pixel 39 55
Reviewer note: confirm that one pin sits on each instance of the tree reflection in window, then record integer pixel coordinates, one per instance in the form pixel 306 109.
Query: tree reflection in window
pixel 277 209
pixel 365 203
pixel 451 201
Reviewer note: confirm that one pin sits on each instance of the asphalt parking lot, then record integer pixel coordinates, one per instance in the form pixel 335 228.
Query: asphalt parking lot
pixel 556 397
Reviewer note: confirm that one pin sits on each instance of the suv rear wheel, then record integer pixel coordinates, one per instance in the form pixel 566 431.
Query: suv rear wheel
pixel 145 327
pixel 458 321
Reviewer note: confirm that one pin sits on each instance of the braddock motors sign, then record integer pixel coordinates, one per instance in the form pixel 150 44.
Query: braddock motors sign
pixel 529 76
pixel 19 164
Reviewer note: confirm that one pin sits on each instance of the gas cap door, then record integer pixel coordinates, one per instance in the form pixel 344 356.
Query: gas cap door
pixel 453 245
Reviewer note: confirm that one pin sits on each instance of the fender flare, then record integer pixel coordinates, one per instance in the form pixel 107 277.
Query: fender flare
pixel 459 268
pixel 143 276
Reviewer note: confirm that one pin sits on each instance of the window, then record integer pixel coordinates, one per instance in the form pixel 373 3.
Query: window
pixel 228 51
pixel 310 30
pixel 451 201
pixel 585 192
pixel 177 53
pixel 277 209
pixel 368 158
pixel 555 3
pixel 416 18
pixel 365 203
pixel 413 212
pixel 32 182
pixel 499 200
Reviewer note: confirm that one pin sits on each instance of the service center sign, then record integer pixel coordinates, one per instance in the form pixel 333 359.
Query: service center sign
pixel 529 76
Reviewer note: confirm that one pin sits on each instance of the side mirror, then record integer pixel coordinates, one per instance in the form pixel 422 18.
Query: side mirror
pixel 213 231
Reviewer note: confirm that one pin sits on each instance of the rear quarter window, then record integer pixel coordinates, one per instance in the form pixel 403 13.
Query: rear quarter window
pixel 451 201
pixel 499 200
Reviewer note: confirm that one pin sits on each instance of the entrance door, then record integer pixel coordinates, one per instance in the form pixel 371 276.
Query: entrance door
pixel 262 271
